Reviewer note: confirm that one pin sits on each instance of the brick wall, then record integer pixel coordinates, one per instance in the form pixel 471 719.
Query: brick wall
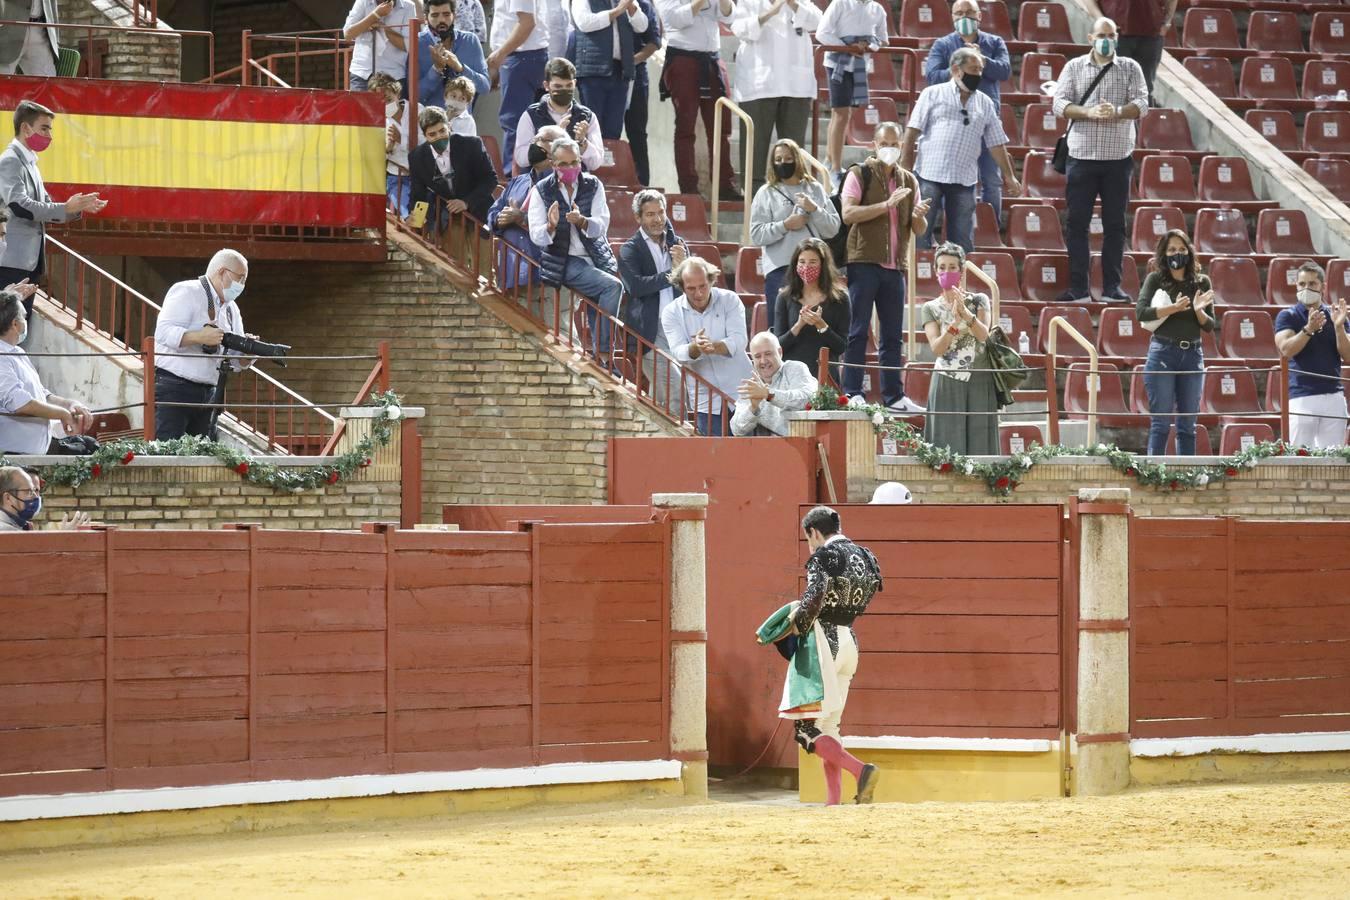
pixel 137 57
pixel 272 17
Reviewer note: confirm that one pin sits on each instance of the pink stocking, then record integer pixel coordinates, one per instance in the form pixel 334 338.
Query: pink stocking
pixel 831 751
pixel 833 786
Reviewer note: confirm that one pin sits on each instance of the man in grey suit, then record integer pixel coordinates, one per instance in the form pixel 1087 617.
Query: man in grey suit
pixel 34 50
pixel 26 197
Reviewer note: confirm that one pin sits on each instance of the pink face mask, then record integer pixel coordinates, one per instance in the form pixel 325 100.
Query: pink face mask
pixel 948 280
pixel 569 175
pixel 38 142
pixel 809 272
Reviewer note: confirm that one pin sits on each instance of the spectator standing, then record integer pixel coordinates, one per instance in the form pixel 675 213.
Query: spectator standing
pixel 645 263
pixel 31 207
pixel 27 409
pixel 34 50
pixel 693 78
pixel 635 118
pixel 966 17
pixel 558 17
pixel 1178 294
pixel 773 388
pixel 399 120
pixel 861 26
pixel 452 168
pixel 775 72
pixel 1143 26
pixel 519 55
pixel 558 106
pixel 604 57
pixel 790 208
pixel 459 95
pixel 961 393
pixel 378 30
pixel 880 203
pixel 1101 141
pixel 469 18
pixel 1316 352
pixel 951 125
pixel 813 307
pixel 445 53
pixel 507 216
pixel 705 329
pixel 21 501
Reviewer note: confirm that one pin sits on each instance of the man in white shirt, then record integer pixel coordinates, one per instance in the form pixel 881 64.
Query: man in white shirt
pixel 519 54
pixel 27 409
pixel 775 388
pixel 604 57
pixel 379 32
pixel 558 106
pixel 705 329
pixel 188 333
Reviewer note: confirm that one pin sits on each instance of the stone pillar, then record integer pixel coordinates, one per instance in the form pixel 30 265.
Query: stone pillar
pixel 688 637
pixel 1103 740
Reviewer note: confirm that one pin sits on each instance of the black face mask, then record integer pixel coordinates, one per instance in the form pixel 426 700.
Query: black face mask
pixel 561 99
pixel 1178 260
pixel 971 82
pixel 784 170
pixel 536 154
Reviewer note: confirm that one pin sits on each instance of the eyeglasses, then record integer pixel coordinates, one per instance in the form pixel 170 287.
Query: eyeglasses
pixel 965 116
pixel 237 277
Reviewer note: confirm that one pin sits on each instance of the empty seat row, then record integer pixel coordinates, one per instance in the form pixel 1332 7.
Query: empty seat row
pixel 1268 31
pixel 1270 79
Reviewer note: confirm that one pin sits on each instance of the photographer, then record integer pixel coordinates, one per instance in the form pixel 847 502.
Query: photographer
pixel 192 325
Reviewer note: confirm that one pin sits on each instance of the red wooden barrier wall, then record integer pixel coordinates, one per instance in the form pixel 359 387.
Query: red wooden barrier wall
pixel 140 659
pixel 1239 627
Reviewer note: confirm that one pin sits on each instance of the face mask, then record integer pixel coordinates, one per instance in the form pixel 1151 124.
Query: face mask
pixel 560 98
pixel 808 272
pixel 38 142
pixel 949 280
pixel 390 108
pixel 784 170
pixel 1309 297
pixel 889 155
pixel 1105 46
pixel 971 82
pixel 440 144
pixel 232 291
pixel 535 155
pixel 967 26
pixel 570 175
pixel 455 107
pixel 23 335
pixel 1178 260
pixel 29 509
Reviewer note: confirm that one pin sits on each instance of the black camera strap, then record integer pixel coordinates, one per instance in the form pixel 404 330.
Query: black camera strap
pixel 210 298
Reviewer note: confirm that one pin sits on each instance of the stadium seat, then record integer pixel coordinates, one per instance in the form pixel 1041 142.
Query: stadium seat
pixel 1324 77
pixel 1231 394
pixel 1111 409
pixel 1326 131
pixel 759 317
pixel 1222 231
pixel 1330 33
pixel 1001 268
pixel 1151 223
pixel 926 20
pixel 620 203
pixel 1044 276
pixel 1236 281
pixel 1078 317
pixel 1041 128
pixel 1129 276
pixel 709 251
pixel 1333 174
pixel 617 168
pixel 1038 68
pixel 494 152
pixel 1034 227
pixel 1203 447
pixel 986 227
pixel 1274 31
pixel 750 270
pixel 109 425
pixel 925 279
pixel 1267 78
pixel 918 378
pixel 1039 178
pixel 1165 129
pixel 1203 29
pixel 1018 437
pixel 1283 232
pixel 1138 394
pixel 1044 23
pixel 1281 276
pixel 689 215
pixel 863 120
pixel 1248 334
pixel 994 18
pixel 1215 73
pixel 1338 280
pixel 1120 334
pixel 1016 321
pixel 1275 125
pixel 1240 436
pixel 1165 177
pixel 1225 179
pixel 1008 116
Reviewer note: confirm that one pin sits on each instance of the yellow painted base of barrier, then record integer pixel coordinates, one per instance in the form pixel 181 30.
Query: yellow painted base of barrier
pixel 1209 768
pixel 912 776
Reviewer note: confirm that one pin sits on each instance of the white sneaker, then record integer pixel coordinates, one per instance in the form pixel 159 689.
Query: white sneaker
pixel 857 401
pixel 905 405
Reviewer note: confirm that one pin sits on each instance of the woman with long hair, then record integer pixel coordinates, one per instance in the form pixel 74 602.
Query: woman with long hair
pixel 956 324
pixel 812 308
pixel 1179 298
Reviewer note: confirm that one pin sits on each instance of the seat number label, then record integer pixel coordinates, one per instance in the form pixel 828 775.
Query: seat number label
pixel 1166 175
pixel 1125 327
pixel 1226 172
pixel 677 212
pixel 1247 329
pixel 1017 444
pixel 1033 222
pixel 1228 386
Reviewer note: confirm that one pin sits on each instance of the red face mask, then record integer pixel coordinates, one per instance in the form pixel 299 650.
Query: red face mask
pixel 38 142
pixel 808 272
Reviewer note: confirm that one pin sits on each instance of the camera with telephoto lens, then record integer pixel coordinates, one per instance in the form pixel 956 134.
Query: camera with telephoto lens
pixel 247 346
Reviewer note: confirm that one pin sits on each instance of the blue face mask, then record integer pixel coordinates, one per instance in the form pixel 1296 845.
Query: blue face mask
pixel 29 510
pixel 1105 46
pixel 232 291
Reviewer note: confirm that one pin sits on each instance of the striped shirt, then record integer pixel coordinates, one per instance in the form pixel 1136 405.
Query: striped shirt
pixel 1123 85
pixel 952 134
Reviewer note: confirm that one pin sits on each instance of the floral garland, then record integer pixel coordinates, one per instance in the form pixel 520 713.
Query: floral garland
pixel 1003 476
pixel 92 467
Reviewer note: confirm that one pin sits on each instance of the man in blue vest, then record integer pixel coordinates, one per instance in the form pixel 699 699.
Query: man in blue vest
pixel 604 57
pixel 569 219
pixel 558 106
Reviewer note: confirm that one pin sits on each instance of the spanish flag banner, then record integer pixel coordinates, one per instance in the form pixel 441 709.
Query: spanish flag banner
pixel 212 153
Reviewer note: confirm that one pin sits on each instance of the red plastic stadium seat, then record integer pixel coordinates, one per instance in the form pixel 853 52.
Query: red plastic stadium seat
pixel 1041 128
pixel 1151 223
pixel 617 168
pixel 1138 395
pixel 759 317
pixel 494 152
pixel 994 18
pixel 1078 317
pixel 1230 393
pixel 918 378
pixel 863 120
pixel 1164 177
pixel 115 423
pixel 1034 227
pixel 1038 68
pixel 1330 33
pixel 1284 232
pixel 1165 129
pixel 1016 321
pixel 1273 31
pixel 1338 280
pixel 1120 334
pixel 1039 178
pixel 709 251
pixel 1018 437
pixel 1275 125
pixel 1274 390
pixel 689 214
pixel 1215 73
pixel 1111 409
pixel 1202 445
pixel 1267 78
pixel 1043 23
pixel 1240 436
pixel 1044 276
pixel 1324 77
pixel 750 270
pixel 1235 281
pixel 1008 116
pixel 1248 334
pixel 1205 28
pixel 925 279
pixel 1222 231
pixel 1001 268
pixel 620 203
pixel 926 20
pixel 1326 131
pixel 1333 174
pixel 1225 179
pixel 1129 276
pixel 1281 278
pixel 986 227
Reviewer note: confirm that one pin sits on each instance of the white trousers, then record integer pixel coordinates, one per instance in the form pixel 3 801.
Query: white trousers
pixel 845 667
pixel 1317 421
pixel 36 58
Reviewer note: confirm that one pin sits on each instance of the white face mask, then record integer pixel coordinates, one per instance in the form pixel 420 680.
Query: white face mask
pixel 1310 297
pixel 391 109
pixel 455 107
pixel 232 290
pixel 889 155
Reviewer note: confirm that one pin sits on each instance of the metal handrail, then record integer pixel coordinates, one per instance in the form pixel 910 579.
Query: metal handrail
pixel 89 29
pixel 1094 378
pixel 990 285
pixel 717 164
pixel 268 72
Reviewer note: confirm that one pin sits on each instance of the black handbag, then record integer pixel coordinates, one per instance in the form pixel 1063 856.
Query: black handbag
pixel 1060 161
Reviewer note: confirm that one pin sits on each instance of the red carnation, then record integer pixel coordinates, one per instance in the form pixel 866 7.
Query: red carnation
pixel 1174 484
pixel 242 468
pixel 946 467
pixel 128 457
pixel 1131 471
pixel 1302 451
pixel 96 471
pixel 808 405
pixel 1002 483
pixel 333 477
pixel 365 462
pixel 1230 472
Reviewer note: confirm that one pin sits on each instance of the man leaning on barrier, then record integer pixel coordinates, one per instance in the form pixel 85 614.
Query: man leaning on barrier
pixel 27 409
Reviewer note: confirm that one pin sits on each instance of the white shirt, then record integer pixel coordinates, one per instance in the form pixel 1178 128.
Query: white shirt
pixel 773 59
pixel 185 310
pixel 722 320
pixel 663 264
pixel 592 21
pixel 464 124
pixel 597 219
pixel 442 160
pixel 504 19
pixel 398 157
pixel 686 31
pixel 848 18
pixel 19 386
pixel 591 157
pixel 792 387
pixel 372 51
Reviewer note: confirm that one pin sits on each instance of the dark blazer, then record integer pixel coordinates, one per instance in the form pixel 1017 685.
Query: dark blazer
pixel 472 178
pixel 644 283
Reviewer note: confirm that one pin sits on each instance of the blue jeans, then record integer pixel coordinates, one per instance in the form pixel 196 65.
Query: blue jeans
pixel 773 283
pixel 358 82
pixel 1089 179
pixel 959 201
pixel 522 74
pixel 608 98
pixel 708 424
pixel 1173 394
pixel 398 188
pixel 868 284
pixel 991 184
pixel 584 278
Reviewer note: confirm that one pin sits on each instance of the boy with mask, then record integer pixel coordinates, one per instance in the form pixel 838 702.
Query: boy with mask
pixel 558 106
pixel 459 95
pixel 1314 337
